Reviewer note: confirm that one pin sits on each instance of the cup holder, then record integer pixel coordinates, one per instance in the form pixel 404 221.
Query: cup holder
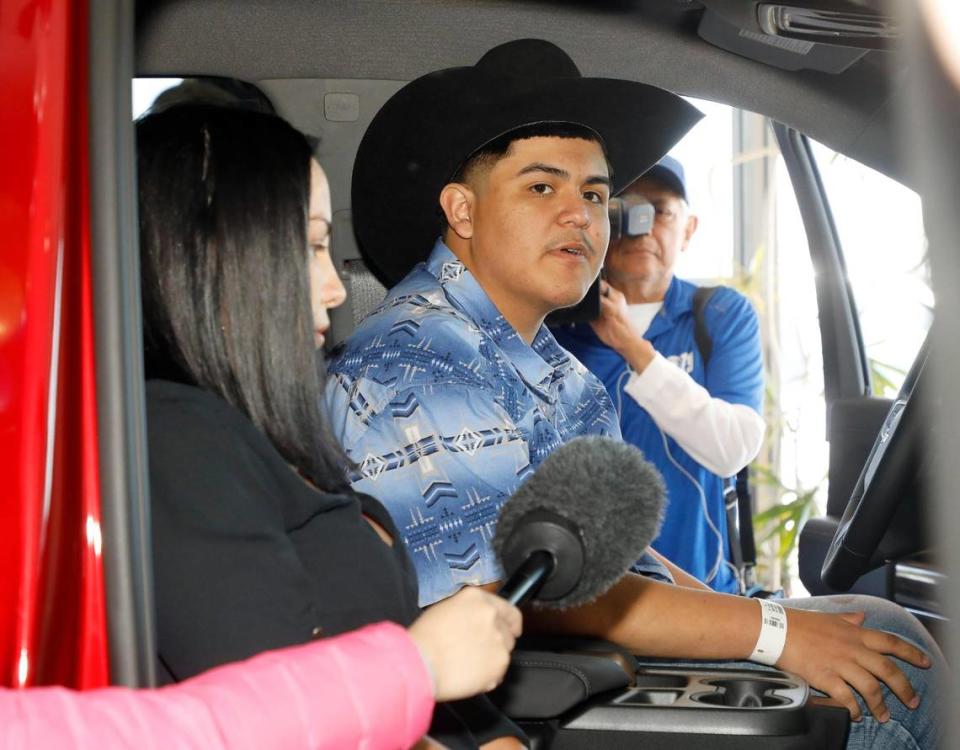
pixel 678 701
pixel 744 694
pixel 661 681
pixel 651 698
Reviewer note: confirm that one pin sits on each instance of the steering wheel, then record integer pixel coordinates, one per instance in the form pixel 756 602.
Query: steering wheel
pixel 867 536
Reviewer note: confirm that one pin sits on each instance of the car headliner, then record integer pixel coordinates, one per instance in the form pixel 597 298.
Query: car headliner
pixel 653 42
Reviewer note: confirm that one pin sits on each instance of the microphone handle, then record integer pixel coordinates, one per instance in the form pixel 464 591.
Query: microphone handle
pixel 529 578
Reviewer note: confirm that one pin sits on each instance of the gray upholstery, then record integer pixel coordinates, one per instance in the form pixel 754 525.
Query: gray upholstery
pixel 364 292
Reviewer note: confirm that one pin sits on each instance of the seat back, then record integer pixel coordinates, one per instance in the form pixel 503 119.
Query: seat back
pixel 337 112
pixel 364 291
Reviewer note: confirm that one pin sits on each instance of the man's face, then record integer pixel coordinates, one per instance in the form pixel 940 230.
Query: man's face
pixel 539 224
pixel 650 258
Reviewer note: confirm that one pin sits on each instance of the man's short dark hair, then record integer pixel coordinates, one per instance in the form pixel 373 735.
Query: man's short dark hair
pixel 488 155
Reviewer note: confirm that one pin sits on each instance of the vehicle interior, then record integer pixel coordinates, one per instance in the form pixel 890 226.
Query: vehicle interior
pixel 830 70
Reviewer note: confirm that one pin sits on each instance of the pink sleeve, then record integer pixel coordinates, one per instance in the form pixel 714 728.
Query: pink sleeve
pixel 366 689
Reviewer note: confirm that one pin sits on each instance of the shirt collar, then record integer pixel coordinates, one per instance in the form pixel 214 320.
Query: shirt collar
pixel 676 302
pixel 537 363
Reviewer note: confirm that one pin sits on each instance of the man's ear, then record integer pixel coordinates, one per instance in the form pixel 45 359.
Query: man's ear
pixel 689 229
pixel 456 201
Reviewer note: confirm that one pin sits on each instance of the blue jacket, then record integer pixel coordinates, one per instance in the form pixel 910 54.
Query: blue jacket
pixel 734 375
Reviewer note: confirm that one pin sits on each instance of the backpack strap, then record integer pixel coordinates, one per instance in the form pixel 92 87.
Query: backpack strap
pixel 700 333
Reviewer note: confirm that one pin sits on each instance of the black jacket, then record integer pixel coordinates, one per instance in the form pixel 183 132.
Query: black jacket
pixel 249 557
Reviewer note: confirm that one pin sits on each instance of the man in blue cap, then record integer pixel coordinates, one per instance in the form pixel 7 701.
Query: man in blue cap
pixel 692 406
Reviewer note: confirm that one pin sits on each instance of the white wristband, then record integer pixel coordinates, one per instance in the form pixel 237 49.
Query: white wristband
pixel 773 633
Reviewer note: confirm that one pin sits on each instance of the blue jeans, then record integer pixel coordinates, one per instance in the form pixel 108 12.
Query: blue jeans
pixel 918 729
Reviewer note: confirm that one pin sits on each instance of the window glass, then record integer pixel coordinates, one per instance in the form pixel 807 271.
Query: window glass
pixel 880 225
pixel 707 157
pixel 146 90
pixel 751 237
pixel 799 411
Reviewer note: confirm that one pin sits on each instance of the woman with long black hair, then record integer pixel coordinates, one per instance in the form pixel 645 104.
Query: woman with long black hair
pixel 258 541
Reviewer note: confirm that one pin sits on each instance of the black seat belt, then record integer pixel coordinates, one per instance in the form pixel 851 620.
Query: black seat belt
pixel 736 495
pixel 748 547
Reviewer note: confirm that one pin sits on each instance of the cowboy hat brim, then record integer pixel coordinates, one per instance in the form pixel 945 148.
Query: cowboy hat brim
pixel 428 128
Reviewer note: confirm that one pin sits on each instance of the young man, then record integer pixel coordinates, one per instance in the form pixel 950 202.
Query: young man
pixel 698 421
pixel 452 392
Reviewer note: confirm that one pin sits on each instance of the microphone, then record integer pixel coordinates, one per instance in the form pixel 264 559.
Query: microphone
pixel 578 523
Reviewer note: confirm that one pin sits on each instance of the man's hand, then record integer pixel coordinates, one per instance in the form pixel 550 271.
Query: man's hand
pixel 466 640
pixel 836 655
pixel 617 331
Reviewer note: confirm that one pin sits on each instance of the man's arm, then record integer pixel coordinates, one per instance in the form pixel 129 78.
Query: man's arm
pixel 832 652
pixel 720 436
pixel 719 426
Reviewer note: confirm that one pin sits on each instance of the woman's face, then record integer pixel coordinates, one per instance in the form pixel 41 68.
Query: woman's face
pixel 326 289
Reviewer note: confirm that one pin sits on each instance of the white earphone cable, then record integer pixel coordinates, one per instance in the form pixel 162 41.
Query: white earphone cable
pixel 720 559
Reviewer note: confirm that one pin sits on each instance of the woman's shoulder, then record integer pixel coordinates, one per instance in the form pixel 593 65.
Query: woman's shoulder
pixel 202 446
pixel 186 418
pixel 199 443
pixel 177 404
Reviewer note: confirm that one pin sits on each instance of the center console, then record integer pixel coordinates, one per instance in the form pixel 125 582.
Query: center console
pixel 584 695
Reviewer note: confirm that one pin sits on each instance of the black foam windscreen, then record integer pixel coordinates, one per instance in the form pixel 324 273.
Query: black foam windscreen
pixel 607 493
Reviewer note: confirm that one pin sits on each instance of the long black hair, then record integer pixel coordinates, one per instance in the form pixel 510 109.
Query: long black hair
pixel 224 201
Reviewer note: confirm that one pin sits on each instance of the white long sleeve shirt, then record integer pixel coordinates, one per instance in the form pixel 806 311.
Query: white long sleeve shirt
pixel 722 437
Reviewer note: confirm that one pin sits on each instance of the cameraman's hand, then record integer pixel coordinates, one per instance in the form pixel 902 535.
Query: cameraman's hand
pixel 466 640
pixel 615 329
pixel 836 655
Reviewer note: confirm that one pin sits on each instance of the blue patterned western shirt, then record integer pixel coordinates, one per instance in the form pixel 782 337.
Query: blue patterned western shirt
pixel 446 410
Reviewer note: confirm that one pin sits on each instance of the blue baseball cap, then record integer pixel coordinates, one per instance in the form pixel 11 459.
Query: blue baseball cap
pixel 670 172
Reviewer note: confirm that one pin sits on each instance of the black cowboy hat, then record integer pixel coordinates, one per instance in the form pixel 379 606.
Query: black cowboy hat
pixel 428 129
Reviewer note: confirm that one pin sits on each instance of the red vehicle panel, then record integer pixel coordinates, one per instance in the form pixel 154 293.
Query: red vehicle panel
pixel 51 577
